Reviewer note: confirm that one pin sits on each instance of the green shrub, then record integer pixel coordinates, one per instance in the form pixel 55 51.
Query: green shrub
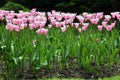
pixel 14 6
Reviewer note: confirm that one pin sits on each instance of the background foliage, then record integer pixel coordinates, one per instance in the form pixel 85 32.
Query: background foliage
pixel 69 5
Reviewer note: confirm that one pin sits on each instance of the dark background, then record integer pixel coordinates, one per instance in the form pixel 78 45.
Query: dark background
pixel 77 6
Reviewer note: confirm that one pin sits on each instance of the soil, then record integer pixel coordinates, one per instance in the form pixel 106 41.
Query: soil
pixel 66 72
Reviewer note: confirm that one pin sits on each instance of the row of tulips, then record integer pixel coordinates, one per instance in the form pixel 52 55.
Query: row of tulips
pixel 81 41
pixel 34 19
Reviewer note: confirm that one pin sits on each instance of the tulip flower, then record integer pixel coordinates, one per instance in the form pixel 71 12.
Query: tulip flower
pixel 99 27
pixel 107 17
pixel 80 18
pixel 64 28
pixel 76 25
pixel 109 27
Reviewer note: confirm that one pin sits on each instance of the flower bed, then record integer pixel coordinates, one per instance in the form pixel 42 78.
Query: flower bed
pixel 64 41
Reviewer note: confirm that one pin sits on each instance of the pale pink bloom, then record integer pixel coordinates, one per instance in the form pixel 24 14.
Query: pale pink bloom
pixel 107 17
pixel 109 28
pixel 14 21
pixel 68 21
pixel 33 11
pixel 51 18
pixel 80 18
pixel 17 28
pixel 37 18
pixel 25 20
pixel 99 27
pixel 94 21
pixel 37 23
pixel 59 17
pixel 49 14
pixel 104 24
pixel 1 17
pixel 49 26
pixel 63 23
pixel 20 11
pixel 58 24
pixel 64 28
pixel 117 13
pixel 20 16
pixel 5 12
pixel 53 22
pixel 89 16
pixel 9 18
pixel 113 14
pixel 42 24
pixel 118 16
pixel 42 31
pixel 39 31
pixel 113 24
pixel 45 31
pixel 84 28
pixel 41 13
pixel 17 21
pixel 31 26
pixel 11 14
pixel 99 15
pixel 79 29
pixel 85 14
pixel 9 26
pixel 72 16
pixel 20 21
pixel 66 16
pixel 30 19
pixel 22 26
pixel 76 25
pixel 85 25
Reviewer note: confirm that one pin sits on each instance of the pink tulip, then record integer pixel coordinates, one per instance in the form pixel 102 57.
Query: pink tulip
pixel 107 17
pixel 99 15
pixel 1 17
pixel 53 22
pixel 80 18
pixel 89 16
pixel 109 28
pixel 85 25
pixel 42 24
pixel 31 26
pixel 84 28
pixel 64 28
pixel 85 14
pixel 17 28
pixel 76 25
pixel 42 31
pixel 9 26
pixel 20 16
pixel 9 18
pixel 49 26
pixel 33 11
pixel 94 21
pixel 118 16
pixel 113 14
pixel 58 24
pixel 45 31
pixel 99 27
pixel 22 26
pixel 30 19
pixel 113 24
pixel 25 20
pixel 104 24
pixel 79 29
